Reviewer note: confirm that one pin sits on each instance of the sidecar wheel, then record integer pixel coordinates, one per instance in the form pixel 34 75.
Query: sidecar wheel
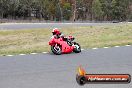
pixel 57 50
pixel 77 48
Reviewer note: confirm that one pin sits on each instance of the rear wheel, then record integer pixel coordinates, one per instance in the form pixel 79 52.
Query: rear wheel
pixel 77 48
pixel 56 49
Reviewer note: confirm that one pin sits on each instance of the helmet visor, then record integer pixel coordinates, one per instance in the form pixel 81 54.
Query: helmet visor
pixel 53 33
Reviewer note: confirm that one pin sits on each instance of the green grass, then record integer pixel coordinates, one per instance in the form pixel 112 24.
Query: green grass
pixel 36 40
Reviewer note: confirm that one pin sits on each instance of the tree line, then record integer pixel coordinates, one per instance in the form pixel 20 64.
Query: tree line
pixel 71 10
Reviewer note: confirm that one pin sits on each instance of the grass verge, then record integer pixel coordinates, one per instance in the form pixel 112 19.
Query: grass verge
pixel 36 40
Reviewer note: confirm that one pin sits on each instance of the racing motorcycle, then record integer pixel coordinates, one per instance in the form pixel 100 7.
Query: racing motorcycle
pixel 64 45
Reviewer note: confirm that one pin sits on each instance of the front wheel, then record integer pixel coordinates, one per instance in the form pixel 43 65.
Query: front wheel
pixel 56 49
pixel 77 48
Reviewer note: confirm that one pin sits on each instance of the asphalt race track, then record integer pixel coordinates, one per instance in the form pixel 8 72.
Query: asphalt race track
pixel 52 71
pixel 48 25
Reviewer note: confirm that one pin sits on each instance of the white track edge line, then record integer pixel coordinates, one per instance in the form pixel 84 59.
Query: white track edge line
pixel 22 54
pixel 47 52
pixel 10 55
pixel 33 53
pixel 105 47
pixel 127 45
pixel 116 46
pixel 94 48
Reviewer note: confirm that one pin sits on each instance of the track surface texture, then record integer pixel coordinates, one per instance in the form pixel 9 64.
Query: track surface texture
pixel 52 71
pixel 48 25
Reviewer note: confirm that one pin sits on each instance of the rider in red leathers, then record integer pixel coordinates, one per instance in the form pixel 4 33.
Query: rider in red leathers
pixel 57 34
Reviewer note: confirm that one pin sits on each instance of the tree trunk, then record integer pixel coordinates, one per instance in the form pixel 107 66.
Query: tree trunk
pixel 74 11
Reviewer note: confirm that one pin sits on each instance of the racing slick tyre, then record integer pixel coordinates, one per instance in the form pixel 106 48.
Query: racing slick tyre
pixel 77 48
pixel 56 49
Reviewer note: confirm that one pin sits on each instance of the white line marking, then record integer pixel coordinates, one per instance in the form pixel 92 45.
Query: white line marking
pixel 47 52
pixel 106 47
pixel 127 45
pixel 44 52
pixel 22 54
pixel 33 53
pixel 9 55
pixel 129 22
pixel 94 48
pixel 117 46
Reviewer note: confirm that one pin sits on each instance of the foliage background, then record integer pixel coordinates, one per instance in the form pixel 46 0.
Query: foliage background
pixel 60 10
